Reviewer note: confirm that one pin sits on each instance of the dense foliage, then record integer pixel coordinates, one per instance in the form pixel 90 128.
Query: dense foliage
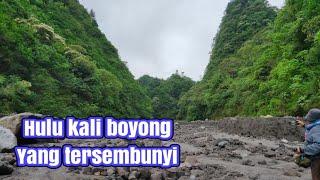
pixel 54 60
pixel 274 71
pixel 166 93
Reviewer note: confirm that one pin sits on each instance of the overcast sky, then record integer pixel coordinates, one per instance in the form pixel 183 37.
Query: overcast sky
pixel 158 37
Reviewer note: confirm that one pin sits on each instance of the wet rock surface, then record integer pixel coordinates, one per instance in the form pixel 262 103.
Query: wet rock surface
pixel 208 151
pixel 5 168
pixel 7 140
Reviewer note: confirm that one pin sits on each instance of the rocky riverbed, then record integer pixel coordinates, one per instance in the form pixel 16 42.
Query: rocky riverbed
pixel 233 148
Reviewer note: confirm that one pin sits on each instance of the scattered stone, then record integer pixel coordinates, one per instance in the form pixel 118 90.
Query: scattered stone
pixel 274 161
pixel 270 154
pixel 8 140
pixel 140 144
pixel 175 172
pixel 72 169
pixel 5 168
pixel 157 142
pixel 184 178
pixel 262 162
pixel 122 143
pixel 221 143
pixel 133 175
pixel 196 172
pixel 144 173
pixel 248 163
pixel 235 174
pixel 284 141
pixel 156 176
pixel 274 148
pixel 254 177
pixel 87 171
pixel 122 172
pixel 8 157
pixel 193 177
pixel 104 173
pixel 191 161
pixel 176 125
pixel 110 171
pixel 97 171
pixel 292 173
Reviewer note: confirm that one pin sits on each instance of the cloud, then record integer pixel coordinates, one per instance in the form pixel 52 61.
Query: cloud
pixel 158 37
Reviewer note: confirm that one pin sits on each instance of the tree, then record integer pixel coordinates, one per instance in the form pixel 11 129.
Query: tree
pixel 92 14
pixel 166 93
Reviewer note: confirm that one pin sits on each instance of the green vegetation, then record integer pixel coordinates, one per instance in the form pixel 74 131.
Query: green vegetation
pixel 261 69
pixel 54 60
pixel 166 93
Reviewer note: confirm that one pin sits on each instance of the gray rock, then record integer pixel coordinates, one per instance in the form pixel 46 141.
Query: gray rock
pixel 220 140
pixel 176 125
pixel 5 168
pixel 123 172
pixel 193 177
pixel 8 157
pixel 13 122
pixel 156 176
pixel 144 173
pixel 270 154
pixel 87 170
pixel 8 140
pixel 110 171
pixel 284 141
pixel 248 163
pixel 191 161
pixel 254 177
pixel 292 173
pixel 104 173
pixel 262 162
pixel 132 176
pixel 197 172
pixel 223 144
pixel 184 178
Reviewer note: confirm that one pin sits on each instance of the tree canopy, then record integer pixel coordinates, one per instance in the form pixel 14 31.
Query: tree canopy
pixel 270 66
pixel 55 61
pixel 166 93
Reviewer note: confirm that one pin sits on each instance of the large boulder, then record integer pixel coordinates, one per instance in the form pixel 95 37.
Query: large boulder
pixel 13 122
pixel 5 168
pixel 8 140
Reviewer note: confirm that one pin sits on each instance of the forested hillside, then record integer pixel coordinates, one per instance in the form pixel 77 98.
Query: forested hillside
pixel 166 93
pixel 54 60
pixel 259 66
